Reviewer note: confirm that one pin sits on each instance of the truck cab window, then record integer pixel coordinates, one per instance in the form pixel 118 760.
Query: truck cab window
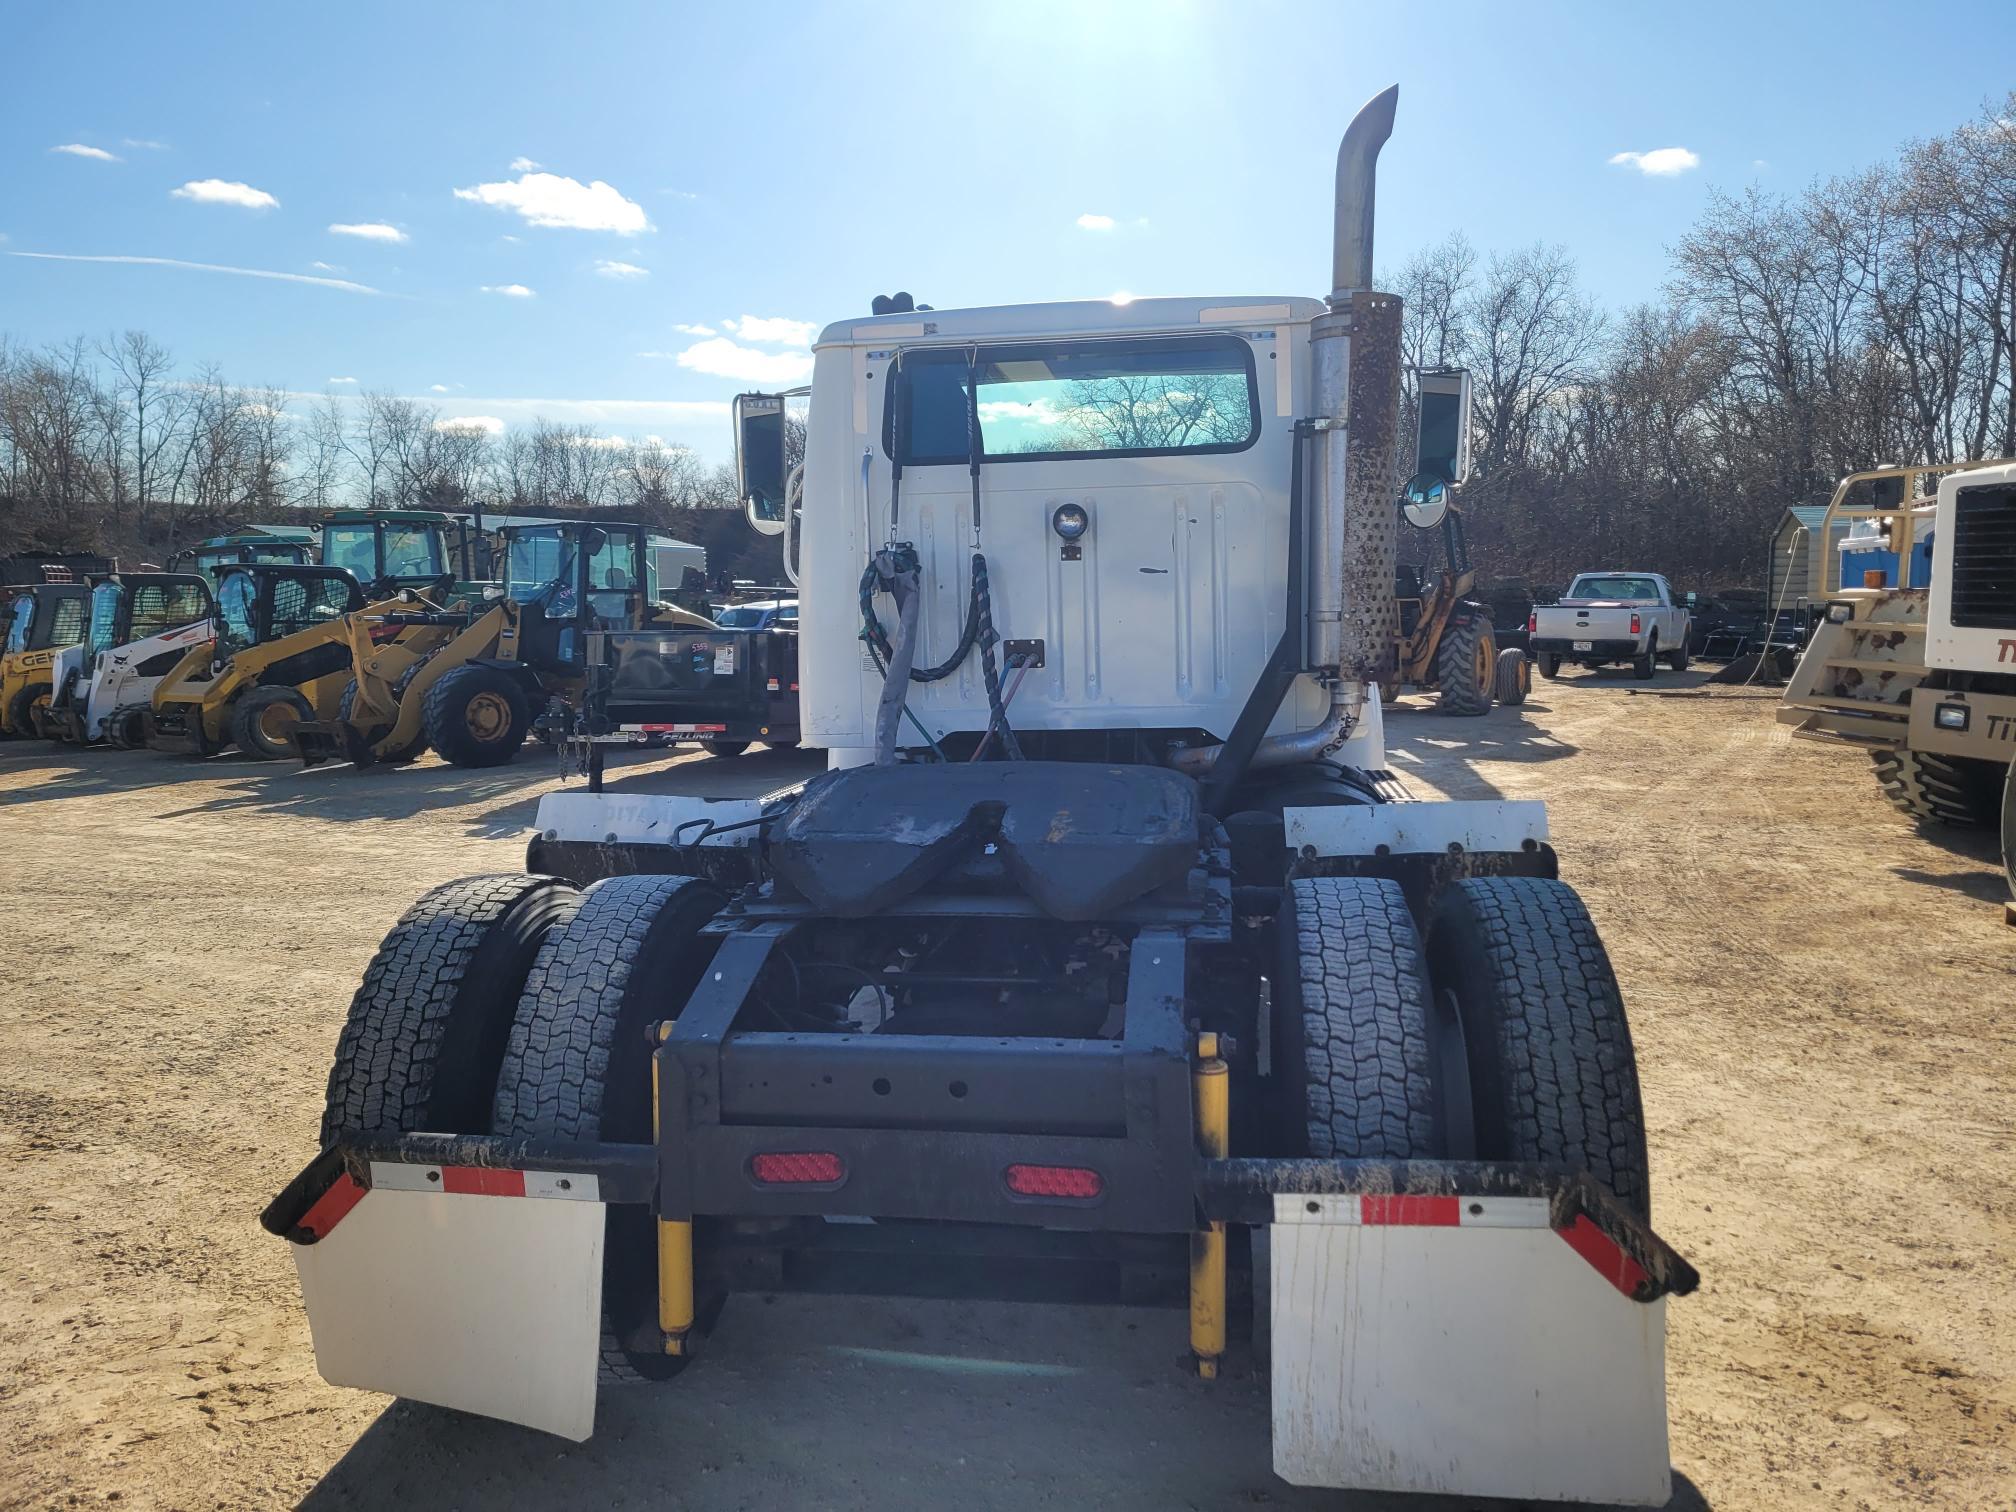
pixel 1145 397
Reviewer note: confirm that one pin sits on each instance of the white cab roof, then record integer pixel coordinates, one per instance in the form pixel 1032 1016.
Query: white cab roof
pixel 1073 317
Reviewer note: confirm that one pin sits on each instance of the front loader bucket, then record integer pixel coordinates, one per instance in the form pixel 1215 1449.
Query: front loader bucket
pixel 320 740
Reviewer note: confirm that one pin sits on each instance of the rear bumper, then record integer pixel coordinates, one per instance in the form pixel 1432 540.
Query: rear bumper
pixel 1431 1194
pixel 1556 645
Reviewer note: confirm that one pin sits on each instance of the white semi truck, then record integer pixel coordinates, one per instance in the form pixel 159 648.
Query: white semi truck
pixel 1925 678
pixel 1106 944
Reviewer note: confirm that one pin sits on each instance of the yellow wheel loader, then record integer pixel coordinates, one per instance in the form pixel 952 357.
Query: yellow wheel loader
pixel 473 683
pixel 280 657
pixel 43 620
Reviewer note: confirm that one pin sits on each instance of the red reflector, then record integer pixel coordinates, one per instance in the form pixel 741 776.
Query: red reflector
pixel 797 1168
pixel 1054 1181
pixel 1403 1210
pixel 1635 625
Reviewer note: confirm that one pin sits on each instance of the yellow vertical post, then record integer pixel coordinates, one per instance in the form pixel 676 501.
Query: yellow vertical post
pixel 675 1251
pixel 1212 1080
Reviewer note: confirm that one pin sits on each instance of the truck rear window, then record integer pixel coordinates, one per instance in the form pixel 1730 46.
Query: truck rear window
pixel 1141 398
pixel 1613 588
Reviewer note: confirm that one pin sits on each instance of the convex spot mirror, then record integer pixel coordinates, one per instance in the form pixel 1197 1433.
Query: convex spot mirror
pixel 759 460
pixel 1425 502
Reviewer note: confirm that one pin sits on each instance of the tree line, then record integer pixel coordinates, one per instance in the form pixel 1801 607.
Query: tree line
pixel 108 445
pixel 1869 319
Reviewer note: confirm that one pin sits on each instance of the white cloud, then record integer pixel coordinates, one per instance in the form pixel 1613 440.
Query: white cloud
pixel 342 380
pixel 78 149
pixel 196 267
pixel 524 165
pixel 599 443
pixel 549 199
pixel 145 143
pixel 368 231
pixel 439 388
pixel 612 269
pixel 509 291
pixel 722 358
pixel 696 330
pixel 1033 412
pixel 322 267
pixel 1660 162
pixel 262 412
pixel 488 425
pixel 773 330
pixel 1095 222
pixel 226 192
pixel 1759 164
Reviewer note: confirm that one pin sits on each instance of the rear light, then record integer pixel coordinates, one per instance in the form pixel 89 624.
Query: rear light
pixel 798 1168
pixel 1072 1182
pixel 1635 625
pixel 1533 623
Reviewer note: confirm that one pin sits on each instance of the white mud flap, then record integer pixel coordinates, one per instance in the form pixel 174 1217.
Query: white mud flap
pixel 1460 1345
pixel 441 1285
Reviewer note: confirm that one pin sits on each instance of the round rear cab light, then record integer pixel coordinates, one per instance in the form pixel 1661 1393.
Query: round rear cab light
pixel 1070 521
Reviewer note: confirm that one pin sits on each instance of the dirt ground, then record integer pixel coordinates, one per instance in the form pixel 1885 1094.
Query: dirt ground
pixel 1825 1010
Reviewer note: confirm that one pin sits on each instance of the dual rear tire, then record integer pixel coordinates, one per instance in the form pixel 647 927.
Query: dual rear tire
pixel 517 1005
pixel 1504 1038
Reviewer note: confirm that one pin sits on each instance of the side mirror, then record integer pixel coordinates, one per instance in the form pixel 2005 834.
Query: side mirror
pixel 759 460
pixel 1426 501
pixel 1442 424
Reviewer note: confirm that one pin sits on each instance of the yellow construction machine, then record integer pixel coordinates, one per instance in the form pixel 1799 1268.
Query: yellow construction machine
pixel 42 619
pixel 473 682
pixel 281 656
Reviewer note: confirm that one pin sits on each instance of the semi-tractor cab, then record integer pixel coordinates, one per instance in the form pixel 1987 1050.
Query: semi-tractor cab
pixel 1106 959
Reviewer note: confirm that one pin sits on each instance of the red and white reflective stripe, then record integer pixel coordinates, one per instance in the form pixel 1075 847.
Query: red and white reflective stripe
pixel 676 729
pixel 1404 1210
pixel 346 1191
pixel 483 1181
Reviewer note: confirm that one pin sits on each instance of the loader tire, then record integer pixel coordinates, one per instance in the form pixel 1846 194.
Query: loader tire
pixel 1351 1024
pixel 21 709
pixel 2009 832
pixel 426 1031
pixel 724 748
pixel 1514 676
pixel 578 1067
pixel 477 716
pixel 1957 790
pixel 1553 1077
pixel 262 718
pixel 1466 667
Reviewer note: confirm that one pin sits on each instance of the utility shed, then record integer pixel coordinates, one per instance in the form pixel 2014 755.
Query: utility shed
pixel 1796 561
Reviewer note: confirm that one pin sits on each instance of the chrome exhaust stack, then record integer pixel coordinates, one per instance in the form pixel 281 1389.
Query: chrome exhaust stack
pixel 1352 552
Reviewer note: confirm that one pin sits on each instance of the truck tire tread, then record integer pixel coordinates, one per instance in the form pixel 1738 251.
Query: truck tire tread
pixel 1553 1073
pixel 1359 1022
pixel 433 967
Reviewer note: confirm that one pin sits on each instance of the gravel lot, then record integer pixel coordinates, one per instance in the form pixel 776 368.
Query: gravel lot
pixel 1823 1002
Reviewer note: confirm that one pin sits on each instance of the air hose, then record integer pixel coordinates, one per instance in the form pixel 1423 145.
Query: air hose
pixel 896 571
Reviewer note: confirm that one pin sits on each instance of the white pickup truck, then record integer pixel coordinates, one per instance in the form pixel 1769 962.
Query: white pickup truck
pixel 1607 617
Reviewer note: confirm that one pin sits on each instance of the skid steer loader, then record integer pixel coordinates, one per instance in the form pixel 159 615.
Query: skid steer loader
pixel 279 657
pixel 474 682
pixel 141 625
pixel 43 619
pixel 1143 980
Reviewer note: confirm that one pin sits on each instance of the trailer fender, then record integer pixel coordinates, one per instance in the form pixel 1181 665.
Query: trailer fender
pixel 446 1285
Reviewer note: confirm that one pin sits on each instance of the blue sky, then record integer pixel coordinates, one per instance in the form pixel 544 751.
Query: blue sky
pixel 713 181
